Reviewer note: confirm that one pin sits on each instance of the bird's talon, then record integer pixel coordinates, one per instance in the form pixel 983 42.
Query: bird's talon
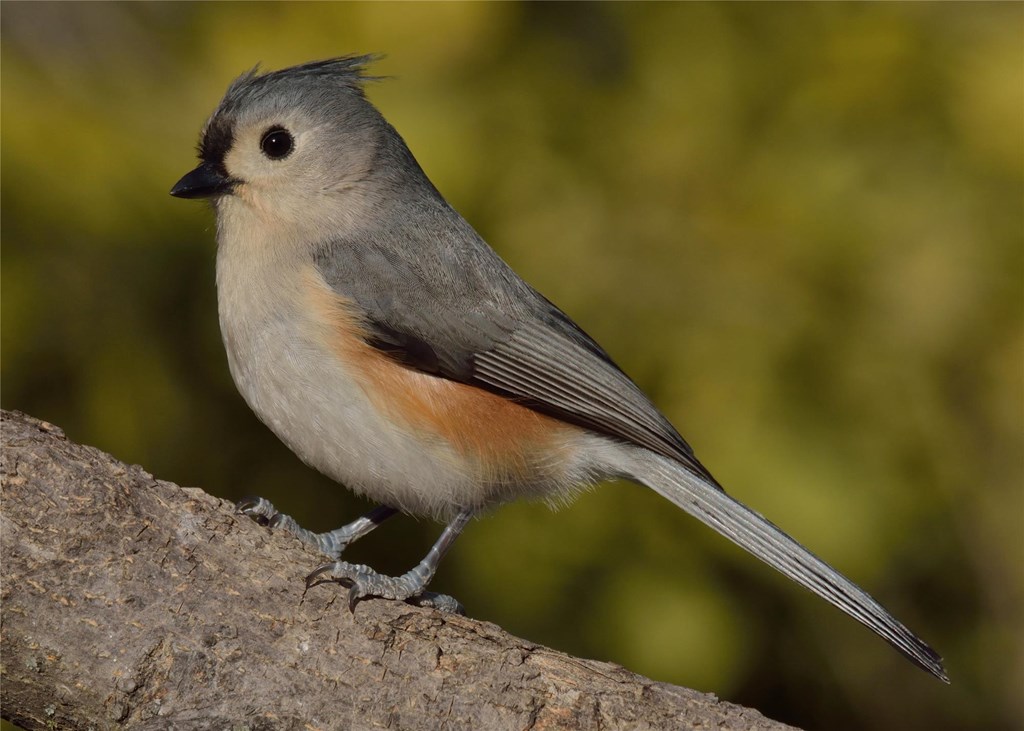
pixel 257 508
pixel 440 602
pixel 314 576
pixel 354 595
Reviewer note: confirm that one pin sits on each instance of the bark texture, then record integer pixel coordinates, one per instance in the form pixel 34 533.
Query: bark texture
pixel 130 602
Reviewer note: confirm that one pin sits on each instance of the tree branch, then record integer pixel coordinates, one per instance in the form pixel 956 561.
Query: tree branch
pixel 131 602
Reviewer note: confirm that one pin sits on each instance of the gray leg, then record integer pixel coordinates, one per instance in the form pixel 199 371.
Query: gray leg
pixel 332 543
pixel 364 581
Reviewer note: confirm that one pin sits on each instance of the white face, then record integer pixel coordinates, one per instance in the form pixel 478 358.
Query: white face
pixel 271 160
pixel 299 173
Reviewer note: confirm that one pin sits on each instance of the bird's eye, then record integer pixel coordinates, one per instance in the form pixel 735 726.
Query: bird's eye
pixel 277 143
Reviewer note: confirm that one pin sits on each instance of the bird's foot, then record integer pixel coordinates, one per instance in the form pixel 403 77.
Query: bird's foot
pixel 364 582
pixel 332 543
pixel 263 512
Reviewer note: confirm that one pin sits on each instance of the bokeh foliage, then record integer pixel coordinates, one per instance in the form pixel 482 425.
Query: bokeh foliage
pixel 799 227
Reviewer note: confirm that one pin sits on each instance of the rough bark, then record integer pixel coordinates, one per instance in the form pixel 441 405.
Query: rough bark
pixel 131 602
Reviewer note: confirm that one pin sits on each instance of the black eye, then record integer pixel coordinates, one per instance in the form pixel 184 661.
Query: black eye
pixel 277 143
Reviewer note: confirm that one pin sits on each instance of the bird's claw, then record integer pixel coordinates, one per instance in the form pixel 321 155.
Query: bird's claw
pixel 364 582
pixel 440 602
pixel 259 509
pixel 265 514
pixel 361 580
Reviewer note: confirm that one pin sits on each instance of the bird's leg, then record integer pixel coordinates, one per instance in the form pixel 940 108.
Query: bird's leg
pixel 332 542
pixel 364 581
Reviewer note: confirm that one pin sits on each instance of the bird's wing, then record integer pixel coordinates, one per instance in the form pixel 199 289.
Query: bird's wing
pixel 463 314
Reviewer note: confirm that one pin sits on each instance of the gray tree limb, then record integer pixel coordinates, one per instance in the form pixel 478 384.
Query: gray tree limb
pixel 130 602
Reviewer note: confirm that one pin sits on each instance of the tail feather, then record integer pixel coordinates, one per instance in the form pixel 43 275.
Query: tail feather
pixel 759 536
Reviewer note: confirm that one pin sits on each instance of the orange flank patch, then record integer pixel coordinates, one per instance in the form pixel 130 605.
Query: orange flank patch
pixel 502 434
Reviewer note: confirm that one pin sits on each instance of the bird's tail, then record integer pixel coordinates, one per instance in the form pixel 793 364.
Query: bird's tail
pixel 748 529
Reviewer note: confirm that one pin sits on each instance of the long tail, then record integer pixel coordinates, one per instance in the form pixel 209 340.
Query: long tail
pixel 756 534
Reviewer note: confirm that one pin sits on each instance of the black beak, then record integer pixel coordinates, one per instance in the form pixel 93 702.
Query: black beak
pixel 203 182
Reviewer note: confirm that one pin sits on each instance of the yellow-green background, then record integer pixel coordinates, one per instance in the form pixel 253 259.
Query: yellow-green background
pixel 799 227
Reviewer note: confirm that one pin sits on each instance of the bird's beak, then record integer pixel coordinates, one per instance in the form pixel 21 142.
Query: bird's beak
pixel 203 182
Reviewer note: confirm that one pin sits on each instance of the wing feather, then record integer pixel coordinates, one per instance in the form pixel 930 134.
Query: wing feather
pixel 459 312
pixel 558 376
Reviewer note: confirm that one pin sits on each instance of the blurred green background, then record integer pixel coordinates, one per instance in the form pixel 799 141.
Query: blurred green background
pixel 799 227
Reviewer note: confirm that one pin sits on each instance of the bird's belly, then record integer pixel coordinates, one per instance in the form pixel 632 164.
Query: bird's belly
pixel 416 442
pixel 321 413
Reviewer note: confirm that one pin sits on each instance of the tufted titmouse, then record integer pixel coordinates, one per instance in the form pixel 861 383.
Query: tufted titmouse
pixel 371 328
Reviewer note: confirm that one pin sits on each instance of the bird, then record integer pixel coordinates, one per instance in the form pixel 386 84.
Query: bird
pixel 377 335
